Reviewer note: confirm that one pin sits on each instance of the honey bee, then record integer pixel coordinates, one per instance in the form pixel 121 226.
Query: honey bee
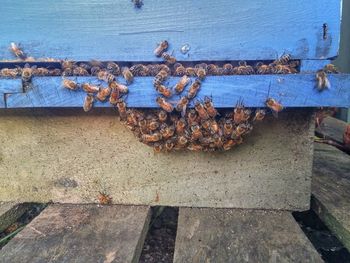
pixel 282 69
pixel 153 125
pixel 164 104
pixel 180 126
pixel 330 68
pixel 180 86
pixel 192 116
pixel 283 60
pixel 155 137
pixel 275 106
pixel 167 131
pixel 190 71
pixel 114 96
pixel 163 90
pixel 120 87
pixel 182 104
pixel 88 102
pixel 179 70
pixel 168 58
pixel 103 93
pixel 212 69
pixel 9 73
pixel 85 66
pixel 217 141
pixel 55 72
pixel 95 70
pixel 105 76
pixel 195 147
pixel 80 71
pixel 65 64
pixel 209 106
pixel 201 73
pixel 322 80
pixel 27 73
pixel 162 46
pixel 243 68
pixel 67 72
pixel 113 68
pixel 202 113
pixel 89 88
pixel 262 68
pixel 196 132
pixel 228 127
pixel 162 116
pixel 16 50
pixel 182 141
pixel 128 76
pixel 137 3
pixel 121 105
pixel 104 199
pixel 259 115
pixel 42 71
pixel 158 147
pixel 228 144
pixel 214 126
pixel 139 70
pixel 194 88
pixel 69 84
pixel 160 78
pixel 131 119
pixel 239 114
pixel 228 69
pixel 240 130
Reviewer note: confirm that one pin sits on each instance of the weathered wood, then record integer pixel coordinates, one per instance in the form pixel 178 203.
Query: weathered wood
pixel 2 101
pixel 10 212
pixel 226 91
pixel 330 188
pixel 69 156
pixel 234 235
pixel 312 65
pixel 81 233
pixel 115 30
pixel 10 85
pixel 332 128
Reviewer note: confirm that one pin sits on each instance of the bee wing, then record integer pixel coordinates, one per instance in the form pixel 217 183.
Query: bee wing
pixel 327 84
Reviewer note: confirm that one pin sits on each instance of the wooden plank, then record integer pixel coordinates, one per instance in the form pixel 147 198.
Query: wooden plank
pixel 312 65
pixel 10 212
pixel 81 233
pixel 2 101
pixel 290 90
pixel 330 188
pixel 115 30
pixel 332 128
pixel 233 235
pixel 10 85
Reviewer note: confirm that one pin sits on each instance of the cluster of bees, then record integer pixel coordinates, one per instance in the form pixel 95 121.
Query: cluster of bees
pixel 174 126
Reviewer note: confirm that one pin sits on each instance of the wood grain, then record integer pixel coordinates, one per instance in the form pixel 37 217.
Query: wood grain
pixel 224 30
pixel 81 233
pixel 332 128
pixel 290 90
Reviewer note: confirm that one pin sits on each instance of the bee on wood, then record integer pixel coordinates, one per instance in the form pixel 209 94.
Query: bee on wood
pixel 167 131
pixel 103 93
pixel 9 73
pixel 89 88
pixel 164 104
pixel 105 76
pixel 240 130
pixel 80 71
pixel 275 106
pixel 160 78
pixel 201 73
pixel 180 86
pixel 95 70
pixel 17 51
pixel 192 116
pixel 65 64
pixel 228 144
pixel 113 68
pixel 104 199
pixel 153 124
pixel 243 69
pixel 238 113
pixel 42 71
pixel 114 96
pixel 194 88
pixel 55 72
pixel 70 84
pixel 88 102
pixel 162 115
pixel 195 147
pixel 330 68
pixel 121 105
pixel 182 104
pixel 155 137
pixel 322 81
pixel 179 70
pixel 139 70
pixel 228 127
pixel 163 90
pixel 283 60
pixel 158 147
pixel 120 87
pixel 180 126
pixel 196 132
pixel 128 76
pixel 27 73
pixel 212 69
pixel 162 47
pixel 282 69
pixel 209 106
pixel 168 58
pixel 85 66
pixel 263 69
pixel 191 71
pixel 228 69
pixel 259 115
pixel 202 113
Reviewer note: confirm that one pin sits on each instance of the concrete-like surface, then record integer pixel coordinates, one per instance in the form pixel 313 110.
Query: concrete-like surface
pixel 69 156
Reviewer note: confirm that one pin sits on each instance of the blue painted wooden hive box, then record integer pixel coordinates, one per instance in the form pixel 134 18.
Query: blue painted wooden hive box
pixel 210 32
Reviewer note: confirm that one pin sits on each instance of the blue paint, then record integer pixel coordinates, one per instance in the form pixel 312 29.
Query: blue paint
pixel 10 85
pixel 219 30
pixel 2 101
pixel 310 66
pixel 291 90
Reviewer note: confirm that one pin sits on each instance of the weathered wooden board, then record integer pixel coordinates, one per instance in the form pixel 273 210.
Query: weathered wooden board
pixel 115 30
pixel 2 101
pixel 81 233
pixel 226 91
pixel 234 235
pixel 69 156
pixel 332 128
pixel 312 65
pixel 10 85
pixel 331 190
pixel 10 212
